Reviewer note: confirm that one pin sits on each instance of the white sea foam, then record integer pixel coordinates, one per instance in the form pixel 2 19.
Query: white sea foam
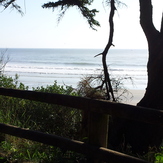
pixel 37 67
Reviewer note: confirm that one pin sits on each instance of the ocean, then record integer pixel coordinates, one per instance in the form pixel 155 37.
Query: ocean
pixel 41 67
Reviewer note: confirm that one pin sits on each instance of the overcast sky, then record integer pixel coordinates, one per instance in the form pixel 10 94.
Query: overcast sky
pixel 38 28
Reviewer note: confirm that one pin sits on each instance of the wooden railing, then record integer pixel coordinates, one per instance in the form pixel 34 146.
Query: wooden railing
pixel 94 149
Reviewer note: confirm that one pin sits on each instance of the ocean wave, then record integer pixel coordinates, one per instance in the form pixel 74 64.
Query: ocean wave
pixel 72 70
pixel 35 65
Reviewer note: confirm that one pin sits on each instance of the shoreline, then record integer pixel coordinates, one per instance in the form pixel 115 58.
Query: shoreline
pixel 137 96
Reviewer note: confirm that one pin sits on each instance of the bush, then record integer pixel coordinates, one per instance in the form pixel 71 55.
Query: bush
pixel 93 86
pixel 48 118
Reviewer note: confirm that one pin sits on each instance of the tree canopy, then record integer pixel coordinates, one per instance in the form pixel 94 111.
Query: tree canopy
pixel 80 4
pixel 12 4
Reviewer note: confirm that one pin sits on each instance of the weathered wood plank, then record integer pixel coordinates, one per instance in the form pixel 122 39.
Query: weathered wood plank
pixel 51 98
pixel 96 152
pixel 105 107
pixel 125 111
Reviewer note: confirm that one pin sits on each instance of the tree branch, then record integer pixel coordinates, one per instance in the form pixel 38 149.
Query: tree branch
pixel 12 4
pixel 146 13
pixel 104 53
pixel 81 5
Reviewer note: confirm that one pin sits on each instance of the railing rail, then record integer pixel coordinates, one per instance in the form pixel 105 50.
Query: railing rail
pixel 97 106
pixel 104 107
pixel 96 152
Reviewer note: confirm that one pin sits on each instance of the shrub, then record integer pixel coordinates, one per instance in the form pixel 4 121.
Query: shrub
pixel 93 86
pixel 48 118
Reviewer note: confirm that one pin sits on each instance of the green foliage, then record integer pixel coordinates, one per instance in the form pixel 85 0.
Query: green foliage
pixel 159 158
pixel 9 82
pixel 154 155
pixel 21 150
pixel 81 5
pixel 53 119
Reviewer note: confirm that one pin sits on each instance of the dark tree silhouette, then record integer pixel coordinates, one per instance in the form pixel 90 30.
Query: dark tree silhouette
pixel 153 97
pixel 147 134
pixel 107 80
pixel 89 15
pixel 139 135
pixel 11 3
pixel 80 4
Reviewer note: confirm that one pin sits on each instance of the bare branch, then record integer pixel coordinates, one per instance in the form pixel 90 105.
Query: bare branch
pixel 4 58
pixel 12 4
pixel 104 53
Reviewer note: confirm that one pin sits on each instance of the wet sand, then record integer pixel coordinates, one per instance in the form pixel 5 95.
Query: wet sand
pixel 137 96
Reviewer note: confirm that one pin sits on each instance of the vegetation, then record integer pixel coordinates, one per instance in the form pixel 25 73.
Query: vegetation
pixel 81 5
pixel 52 119
pixel 47 118
pixel 141 136
pixel 38 116
pixel 138 135
pixel 92 86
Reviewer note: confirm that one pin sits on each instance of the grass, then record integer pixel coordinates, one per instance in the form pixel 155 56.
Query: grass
pixel 52 119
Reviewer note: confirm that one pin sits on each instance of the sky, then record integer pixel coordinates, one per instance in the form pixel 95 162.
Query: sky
pixel 38 27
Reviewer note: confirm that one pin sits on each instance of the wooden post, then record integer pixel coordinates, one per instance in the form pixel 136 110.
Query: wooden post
pixel 98 130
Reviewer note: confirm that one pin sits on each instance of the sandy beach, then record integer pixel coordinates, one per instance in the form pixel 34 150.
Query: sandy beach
pixel 137 96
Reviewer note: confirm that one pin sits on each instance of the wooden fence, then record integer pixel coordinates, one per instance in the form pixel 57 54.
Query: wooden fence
pixel 95 148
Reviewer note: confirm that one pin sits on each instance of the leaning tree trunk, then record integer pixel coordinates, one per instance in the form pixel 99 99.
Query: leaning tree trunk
pixel 141 136
pixel 154 92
